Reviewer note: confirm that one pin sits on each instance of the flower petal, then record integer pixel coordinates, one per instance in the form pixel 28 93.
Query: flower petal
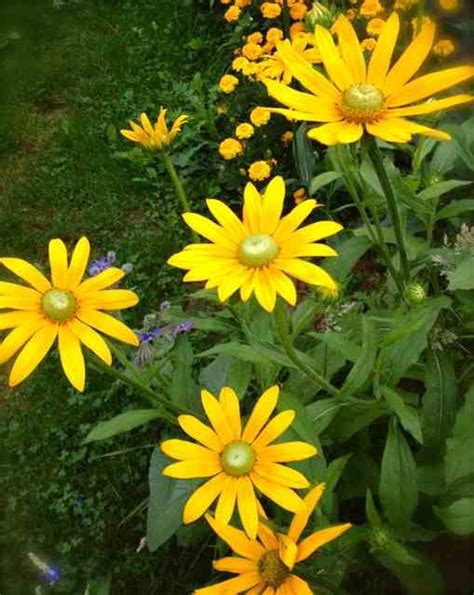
pixel 193 469
pixel 200 432
pixel 232 586
pixel 232 281
pixel 101 281
pixel 231 408
pixel 215 414
pixel 237 540
pixel 20 335
pixel 282 474
pixel 382 54
pixel 337 132
pixel 286 452
pixel 333 63
pixel 19 291
pixel 33 353
pixel 279 424
pixel 227 219
pixel 318 539
pixel 389 130
pixel 305 271
pixel 182 450
pixel 283 285
pixel 272 204
pixel 261 413
pixel 281 495
pixel 267 537
pixel 202 498
pixel 247 505
pixel 58 263
pixel 235 565
pixel 109 299
pixel 292 114
pixel 320 109
pixel 27 272
pixel 297 586
pixel 350 49
pixel 226 503
pixel 12 319
pixel 108 325
pixel 72 359
pixel 78 265
pixel 265 291
pixel 431 106
pixel 91 339
pixel 295 217
pixel 209 230
pixel 300 520
pixel 312 233
pixel 252 211
pixel 287 551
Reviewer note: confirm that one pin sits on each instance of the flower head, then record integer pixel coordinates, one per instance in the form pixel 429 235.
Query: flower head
pixel 266 565
pixel 232 14
pixel 370 8
pixel 444 48
pixel 67 309
pixel 230 148
pixel 228 83
pixel 260 253
pixel 259 170
pixel 260 116
pixel 274 66
pixel 449 5
pixel 270 10
pixel 237 459
pixel 373 98
pixel 157 137
pixel 244 130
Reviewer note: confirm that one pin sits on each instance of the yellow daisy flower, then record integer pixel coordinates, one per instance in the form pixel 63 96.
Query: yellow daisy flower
pixel 66 308
pixel 157 137
pixel 274 66
pixel 266 564
pixel 260 253
pixel 238 460
pixel 374 98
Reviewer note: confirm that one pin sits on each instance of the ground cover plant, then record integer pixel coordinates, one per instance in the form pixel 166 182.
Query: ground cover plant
pixel 296 415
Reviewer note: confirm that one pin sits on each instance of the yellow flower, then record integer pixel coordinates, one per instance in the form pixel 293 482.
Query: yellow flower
pixel 255 37
pixel 374 98
pixel 239 63
pixel 228 83
pixel 404 4
pixel 232 14
pixel 370 8
pixel 444 48
pixel 266 565
pixel 329 294
pixel 368 44
pixel 298 11
pixel 449 5
pixel 157 137
pixel 237 459
pixel 67 309
pixel 425 21
pixel 230 148
pixel 251 69
pixel 252 51
pixel 300 195
pixel 287 137
pixel 256 255
pixel 351 14
pixel 260 116
pixel 222 109
pixel 274 34
pixel 274 66
pixel 374 26
pixel 259 170
pixel 270 10
pixel 244 131
pixel 242 3
pixel 296 29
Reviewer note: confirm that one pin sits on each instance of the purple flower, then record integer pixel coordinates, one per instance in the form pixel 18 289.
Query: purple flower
pixel 148 336
pixel 102 264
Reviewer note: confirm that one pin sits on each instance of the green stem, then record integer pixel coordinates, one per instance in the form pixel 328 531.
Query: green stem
pixel 279 315
pixel 419 15
pixel 178 186
pixel 351 186
pixel 377 161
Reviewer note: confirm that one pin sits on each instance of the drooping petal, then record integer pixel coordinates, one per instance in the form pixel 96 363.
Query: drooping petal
pixel 232 586
pixel 101 281
pixel 202 498
pixel 20 335
pixel 182 450
pixel 286 452
pixel 350 49
pixel 281 495
pixel 261 413
pixel 431 106
pixel 388 130
pixel 247 505
pixel 333 63
pixel 227 219
pixel 382 54
pixel 27 272
pixel 232 281
pixel 300 520
pixel 200 432
pixel 58 262
pixel 226 503
pixel 318 539
pixel 91 339
pixel 109 325
pixel 72 359
pixel 33 353
pixel 410 61
pixel 282 474
pixel 78 264
pixel 247 287
pixel 193 469
pixel 337 132
pixel 237 540
pixel 279 424
pixel 215 414
pixel 305 271
pixel 231 408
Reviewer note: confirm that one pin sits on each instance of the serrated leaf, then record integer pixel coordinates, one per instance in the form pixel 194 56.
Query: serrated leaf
pixel 459 459
pixel 407 415
pixel 362 369
pixel 124 422
pixel 458 517
pixel 398 489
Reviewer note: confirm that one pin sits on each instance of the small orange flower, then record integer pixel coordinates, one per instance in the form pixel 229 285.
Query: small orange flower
pixel 270 10
pixel 232 14
pixel 230 148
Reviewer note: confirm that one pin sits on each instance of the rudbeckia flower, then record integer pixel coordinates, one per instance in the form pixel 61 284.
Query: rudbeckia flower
pixel 259 254
pixel 237 459
pixel 67 309
pixel 157 137
pixel 374 98
pixel 266 565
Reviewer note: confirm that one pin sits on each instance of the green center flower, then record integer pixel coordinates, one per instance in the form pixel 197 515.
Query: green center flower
pixel 361 102
pixel 271 569
pixel 258 250
pixel 59 305
pixel 238 458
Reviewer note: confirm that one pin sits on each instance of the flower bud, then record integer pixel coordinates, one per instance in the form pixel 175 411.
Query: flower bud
pixel 319 15
pixel 414 294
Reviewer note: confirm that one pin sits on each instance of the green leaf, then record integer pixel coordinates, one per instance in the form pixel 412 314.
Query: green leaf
pixel 354 418
pixel 99 586
pixel 303 154
pixel 398 488
pixel 407 415
pixel 124 422
pixel 350 249
pixel 362 369
pixel 441 188
pixel 422 578
pixel 322 412
pixel 304 315
pixel 439 400
pixel 459 460
pixel 371 511
pixel 323 180
pixel 458 517
pixel 463 276
pixel 333 475
pixel 240 351
pixel 349 349
pixel 455 208
pixel 430 479
pixel 183 388
pixel 167 499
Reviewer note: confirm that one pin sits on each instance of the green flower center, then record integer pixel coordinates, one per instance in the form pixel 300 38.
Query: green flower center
pixel 59 305
pixel 361 102
pixel 238 458
pixel 258 250
pixel 271 569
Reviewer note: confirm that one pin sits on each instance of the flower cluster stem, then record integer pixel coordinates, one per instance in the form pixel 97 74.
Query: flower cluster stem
pixel 377 161
pixel 279 315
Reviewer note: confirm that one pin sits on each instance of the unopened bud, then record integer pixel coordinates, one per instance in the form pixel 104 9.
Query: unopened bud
pixel 319 15
pixel 414 294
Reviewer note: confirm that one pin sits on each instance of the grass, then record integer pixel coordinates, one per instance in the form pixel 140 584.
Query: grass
pixel 73 74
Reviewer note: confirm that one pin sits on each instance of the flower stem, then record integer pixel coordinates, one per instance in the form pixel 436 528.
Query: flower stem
pixel 279 315
pixel 178 186
pixel 376 158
